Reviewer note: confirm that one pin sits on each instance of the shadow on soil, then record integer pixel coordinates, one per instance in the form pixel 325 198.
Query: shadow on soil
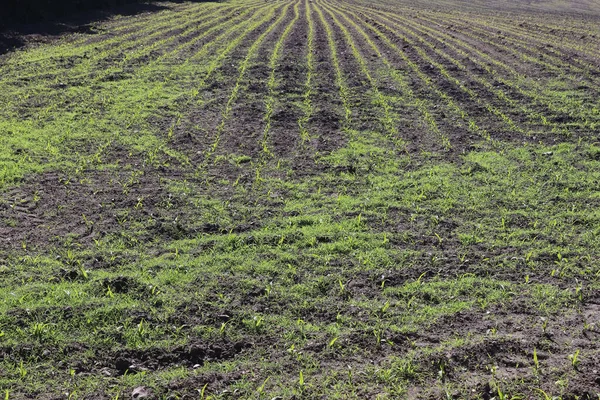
pixel 23 27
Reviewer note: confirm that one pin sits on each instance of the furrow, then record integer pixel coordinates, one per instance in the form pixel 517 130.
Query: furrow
pixel 403 98
pixel 242 69
pixel 68 98
pixel 272 85
pixel 485 81
pixel 454 87
pixel 308 107
pixel 542 94
pixel 424 85
pixel 85 56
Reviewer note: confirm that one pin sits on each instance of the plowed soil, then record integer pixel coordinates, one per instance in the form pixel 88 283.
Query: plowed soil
pixel 304 199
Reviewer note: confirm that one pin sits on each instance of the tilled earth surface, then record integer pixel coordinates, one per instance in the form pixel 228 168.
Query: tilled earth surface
pixel 304 199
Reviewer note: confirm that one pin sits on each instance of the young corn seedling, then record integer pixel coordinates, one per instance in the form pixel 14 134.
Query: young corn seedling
pixel 142 331
pixel 257 324
pixel 378 333
pixel 575 359
pixel 544 394
pixel 536 362
pixel 301 383
pixel 22 371
pixel 442 374
pixel 302 328
pixel 544 325
pixel 333 342
pixel 202 392
pixel 39 330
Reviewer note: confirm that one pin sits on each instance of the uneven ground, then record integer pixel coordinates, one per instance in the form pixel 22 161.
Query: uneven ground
pixel 305 199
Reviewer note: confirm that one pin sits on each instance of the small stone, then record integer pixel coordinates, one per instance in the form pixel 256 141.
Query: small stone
pixel 140 392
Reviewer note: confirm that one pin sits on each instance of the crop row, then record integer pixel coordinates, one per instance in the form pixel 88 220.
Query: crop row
pixel 393 71
pixel 88 52
pixel 550 88
pixel 271 84
pixel 405 51
pixel 438 44
pixel 434 46
pixel 71 79
pixel 123 105
pixel 242 69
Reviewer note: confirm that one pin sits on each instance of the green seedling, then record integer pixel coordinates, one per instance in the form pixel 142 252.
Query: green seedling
pixel 332 342
pixel 301 383
pixel 202 392
pixel 544 394
pixel 544 325
pixel 21 370
pixel 574 358
pixel 261 388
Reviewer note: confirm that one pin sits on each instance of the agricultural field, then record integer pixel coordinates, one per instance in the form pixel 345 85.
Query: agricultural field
pixel 304 199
